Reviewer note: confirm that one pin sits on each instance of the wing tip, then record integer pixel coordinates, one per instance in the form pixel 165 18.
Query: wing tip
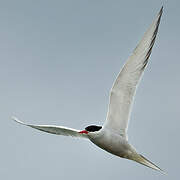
pixel 160 14
pixel 161 10
pixel 17 120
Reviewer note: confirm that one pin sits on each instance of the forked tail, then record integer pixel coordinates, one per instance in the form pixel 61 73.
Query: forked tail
pixel 142 160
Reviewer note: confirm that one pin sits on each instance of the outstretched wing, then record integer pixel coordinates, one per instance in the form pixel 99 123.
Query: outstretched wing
pixel 124 88
pixel 59 130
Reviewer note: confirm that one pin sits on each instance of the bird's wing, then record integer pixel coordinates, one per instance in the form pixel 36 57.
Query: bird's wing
pixel 59 130
pixel 124 88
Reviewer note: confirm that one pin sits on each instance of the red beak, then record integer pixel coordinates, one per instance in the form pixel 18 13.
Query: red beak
pixel 83 132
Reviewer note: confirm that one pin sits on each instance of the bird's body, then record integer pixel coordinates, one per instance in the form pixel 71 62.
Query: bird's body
pixel 112 142
pixel 112 136
pixel 118 145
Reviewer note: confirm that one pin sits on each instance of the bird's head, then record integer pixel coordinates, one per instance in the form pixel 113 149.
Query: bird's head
pixel 90 129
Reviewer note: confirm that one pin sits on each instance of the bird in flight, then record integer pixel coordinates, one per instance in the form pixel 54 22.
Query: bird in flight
pixel 112 136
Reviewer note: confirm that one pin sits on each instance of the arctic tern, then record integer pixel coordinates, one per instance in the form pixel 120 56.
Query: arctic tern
pixel 112 136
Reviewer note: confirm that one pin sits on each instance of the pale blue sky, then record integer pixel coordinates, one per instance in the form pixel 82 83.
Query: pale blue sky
pixel 58 62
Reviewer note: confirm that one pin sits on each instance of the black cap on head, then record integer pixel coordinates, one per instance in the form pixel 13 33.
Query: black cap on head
pixel 93 128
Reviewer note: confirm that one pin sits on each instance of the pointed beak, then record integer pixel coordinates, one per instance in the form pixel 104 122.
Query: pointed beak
pixel 83 132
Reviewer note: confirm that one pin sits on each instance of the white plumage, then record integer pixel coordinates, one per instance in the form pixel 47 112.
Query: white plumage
pixel 112 137
pixel 59 130
pixel 124 88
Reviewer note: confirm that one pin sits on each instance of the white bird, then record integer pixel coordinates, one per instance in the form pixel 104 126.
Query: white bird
pixel 112 136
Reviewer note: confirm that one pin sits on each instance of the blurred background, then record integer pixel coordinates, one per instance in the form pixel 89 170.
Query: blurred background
pixel 58 61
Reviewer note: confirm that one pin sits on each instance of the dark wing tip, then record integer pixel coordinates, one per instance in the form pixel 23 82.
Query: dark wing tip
pixel 153 38
pixel 161 11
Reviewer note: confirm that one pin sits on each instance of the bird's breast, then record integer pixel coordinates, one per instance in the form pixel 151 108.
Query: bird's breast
pixel 113 143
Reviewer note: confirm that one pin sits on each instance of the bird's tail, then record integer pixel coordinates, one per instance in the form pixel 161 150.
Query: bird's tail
pixel 142 160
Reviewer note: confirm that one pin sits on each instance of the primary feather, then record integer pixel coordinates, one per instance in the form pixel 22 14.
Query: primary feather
pixel 59 130
pixel 124 88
